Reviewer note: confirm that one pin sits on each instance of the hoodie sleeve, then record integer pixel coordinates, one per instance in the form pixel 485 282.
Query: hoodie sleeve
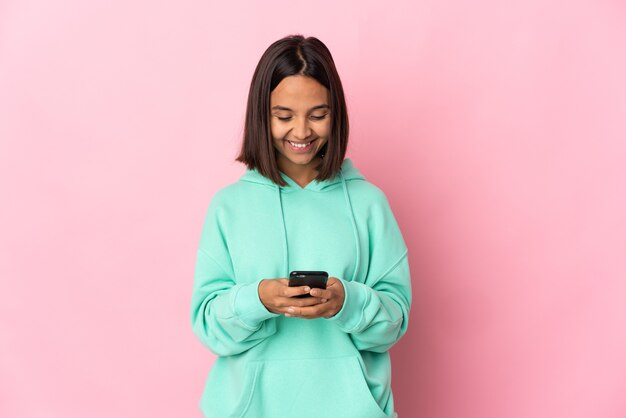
pixel 376 312
pixel 227 317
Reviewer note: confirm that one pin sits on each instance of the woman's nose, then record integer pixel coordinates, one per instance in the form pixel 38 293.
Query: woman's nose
pixel 302 129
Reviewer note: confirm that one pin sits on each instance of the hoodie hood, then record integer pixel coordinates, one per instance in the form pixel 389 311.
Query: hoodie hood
pixel 348 172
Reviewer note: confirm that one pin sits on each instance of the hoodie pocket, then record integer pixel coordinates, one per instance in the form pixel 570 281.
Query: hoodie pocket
pixel 307 388
pixel 247 389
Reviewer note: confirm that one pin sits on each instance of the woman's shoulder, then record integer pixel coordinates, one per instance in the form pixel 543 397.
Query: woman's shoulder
pixel 238 193
pixel 365 192
pixel 227 193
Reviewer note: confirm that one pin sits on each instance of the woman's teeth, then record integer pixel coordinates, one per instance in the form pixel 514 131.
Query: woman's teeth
pixel 300 145
pixel 304 147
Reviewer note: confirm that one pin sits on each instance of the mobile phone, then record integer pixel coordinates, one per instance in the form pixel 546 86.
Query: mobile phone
pixel 308 278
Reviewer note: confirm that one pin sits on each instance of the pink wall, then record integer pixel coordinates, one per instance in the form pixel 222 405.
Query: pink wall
pixel 495 128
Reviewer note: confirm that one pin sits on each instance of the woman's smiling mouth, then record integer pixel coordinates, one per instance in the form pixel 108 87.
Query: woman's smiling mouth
pixel 300 147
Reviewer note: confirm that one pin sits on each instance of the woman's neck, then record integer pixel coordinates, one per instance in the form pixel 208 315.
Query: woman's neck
pixel 302 174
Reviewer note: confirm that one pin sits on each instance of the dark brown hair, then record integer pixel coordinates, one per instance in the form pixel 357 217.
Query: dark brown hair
pixel 293 55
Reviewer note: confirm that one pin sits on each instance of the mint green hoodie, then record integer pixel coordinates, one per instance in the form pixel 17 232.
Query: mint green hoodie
pixel 273 366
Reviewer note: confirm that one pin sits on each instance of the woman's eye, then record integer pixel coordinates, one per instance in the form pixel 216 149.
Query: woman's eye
pixel 285 119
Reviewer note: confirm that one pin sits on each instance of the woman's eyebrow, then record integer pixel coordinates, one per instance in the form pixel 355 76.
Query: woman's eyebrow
pixel 321 106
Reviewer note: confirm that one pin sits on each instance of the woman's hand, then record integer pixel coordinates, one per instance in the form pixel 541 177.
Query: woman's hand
pixel 331 303
pixel 277 296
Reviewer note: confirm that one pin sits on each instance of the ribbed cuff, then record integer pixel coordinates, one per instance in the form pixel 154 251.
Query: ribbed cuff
pixel 350 316
pixel 248 307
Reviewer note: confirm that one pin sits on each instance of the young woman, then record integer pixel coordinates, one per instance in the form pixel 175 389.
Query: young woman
pixel 300 205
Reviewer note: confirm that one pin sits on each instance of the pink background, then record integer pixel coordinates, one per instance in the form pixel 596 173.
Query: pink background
pixel 496 129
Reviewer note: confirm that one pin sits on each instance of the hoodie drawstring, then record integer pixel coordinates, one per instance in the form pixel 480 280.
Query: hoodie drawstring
pixel 352 218
pixel 282 217
pixel 356 233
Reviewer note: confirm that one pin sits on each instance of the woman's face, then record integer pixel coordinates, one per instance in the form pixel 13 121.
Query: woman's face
pixel 300 115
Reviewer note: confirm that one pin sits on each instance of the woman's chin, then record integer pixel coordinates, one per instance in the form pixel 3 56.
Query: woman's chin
pixel 301 159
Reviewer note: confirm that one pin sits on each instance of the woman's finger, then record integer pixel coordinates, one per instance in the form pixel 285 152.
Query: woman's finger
pixel 290 292
pixel 301 302
pixel 321 293
pixel 314 311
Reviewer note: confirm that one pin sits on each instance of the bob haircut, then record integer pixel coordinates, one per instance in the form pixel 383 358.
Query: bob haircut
pixel 293 55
